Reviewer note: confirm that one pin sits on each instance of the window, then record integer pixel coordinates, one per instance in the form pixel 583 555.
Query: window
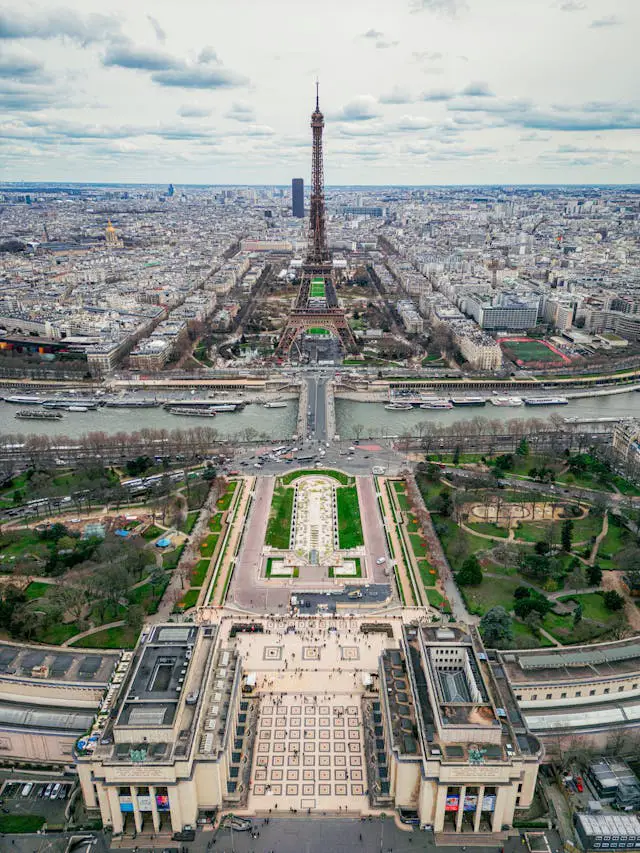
pixel 592 693
pixel 519 787
pixel 563 695
pixel 519 698
pixel 578 693
pixel 634 686
pixel 534 697
pixel 548 695
pixel 606 690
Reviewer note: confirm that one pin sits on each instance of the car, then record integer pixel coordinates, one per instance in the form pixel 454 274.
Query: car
pixel 48 789
pixel 579 784
pixel 27 789
pixel 56 791
pixel 380 561
pixel 41 790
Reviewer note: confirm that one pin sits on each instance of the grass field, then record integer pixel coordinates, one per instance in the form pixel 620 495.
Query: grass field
pixel 317 330
pixel 342 478
pixel 490 593
pixel 190 521
pixel 279 524
pixel 189 599
pixel 529 351
pixel 224 502
pixel 121 637
pixel 37 590
pixel 317 288
pixel 349 523
pixel 199 572
pixel 208 546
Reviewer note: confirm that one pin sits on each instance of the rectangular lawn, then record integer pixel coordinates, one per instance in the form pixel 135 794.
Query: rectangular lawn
pixel 349 523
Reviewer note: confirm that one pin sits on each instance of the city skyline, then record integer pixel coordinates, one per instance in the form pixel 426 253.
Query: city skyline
pixel 436 92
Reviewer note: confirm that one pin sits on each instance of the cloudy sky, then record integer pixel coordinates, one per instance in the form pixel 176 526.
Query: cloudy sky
pixel 413 91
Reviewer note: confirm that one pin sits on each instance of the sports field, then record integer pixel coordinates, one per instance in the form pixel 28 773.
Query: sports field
pixel 317 287
pixel 316 330
pixel 523 350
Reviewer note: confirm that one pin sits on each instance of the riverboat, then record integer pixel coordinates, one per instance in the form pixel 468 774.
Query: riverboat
pixel 192 412
pixel 546 401
pixel 436 404
pixel 275 404
pixel 398 407
pixel 124 403
pixel 506 401
pixel 25 400
pixel 38 415
pixel 468 401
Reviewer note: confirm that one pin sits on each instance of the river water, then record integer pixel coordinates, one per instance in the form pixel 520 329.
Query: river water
pixel 274 423
pixel 376 420
pixel 281 423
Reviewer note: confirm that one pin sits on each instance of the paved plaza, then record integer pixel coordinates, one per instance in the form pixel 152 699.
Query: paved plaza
pixel 314 518
pixel 309 754
pixel 309 748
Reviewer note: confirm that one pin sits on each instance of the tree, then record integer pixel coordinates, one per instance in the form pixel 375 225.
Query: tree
pixel 496 628
pixel 135 617
pixel 522 449
pixel 613 600
pixel 566 535
pixel 470 573
pixel 577 614
pixel 456 455
pixel 594 575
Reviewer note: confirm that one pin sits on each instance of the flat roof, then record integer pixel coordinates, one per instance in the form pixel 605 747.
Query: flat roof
pixel 606 660
pixel 42 664
pixel 610 824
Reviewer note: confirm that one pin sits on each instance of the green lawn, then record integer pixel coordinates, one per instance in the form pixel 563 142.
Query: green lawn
pixel 295 574
pixel 152 532
pixel 147 595
pixel 121 637
pixel 533 531
pixel 199 572
pixel 224 502
pixel 189 599
pixel 586 528
pixel 21 544
pixel 488 528
pixel 341 477
pixel 16 823
pixel 532 350
pixel 490 593
pixel 215 522
pixel 434 597
pixel 208 545
pixel 418 545
pixel 349 523
pixel 403 500
pixel 190 521
pixel 592 606
pixel 428 574
pixel 617 538
pixel 358 574
pixel 279 524
pixel 37 590
pixel 533 642
pixel 57 634
pixel 170 560
pixel 457 543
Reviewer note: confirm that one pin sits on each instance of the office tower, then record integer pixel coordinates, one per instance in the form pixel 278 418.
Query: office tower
pixel 297 197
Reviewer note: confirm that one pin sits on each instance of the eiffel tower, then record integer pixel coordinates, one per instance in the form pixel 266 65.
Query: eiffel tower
pixel 316 304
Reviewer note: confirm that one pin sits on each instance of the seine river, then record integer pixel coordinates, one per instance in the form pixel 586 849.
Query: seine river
pixel 281 423
pixel 377 420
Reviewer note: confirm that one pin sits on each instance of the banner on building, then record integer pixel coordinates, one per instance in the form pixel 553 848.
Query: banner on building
pixel 144 802
pixel 451 804
pixel 126 804
pixel 162 802
pixel 489 803
pixel 470 802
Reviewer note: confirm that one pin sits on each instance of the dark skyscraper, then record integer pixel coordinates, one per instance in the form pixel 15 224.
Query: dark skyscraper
pixel 297 197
